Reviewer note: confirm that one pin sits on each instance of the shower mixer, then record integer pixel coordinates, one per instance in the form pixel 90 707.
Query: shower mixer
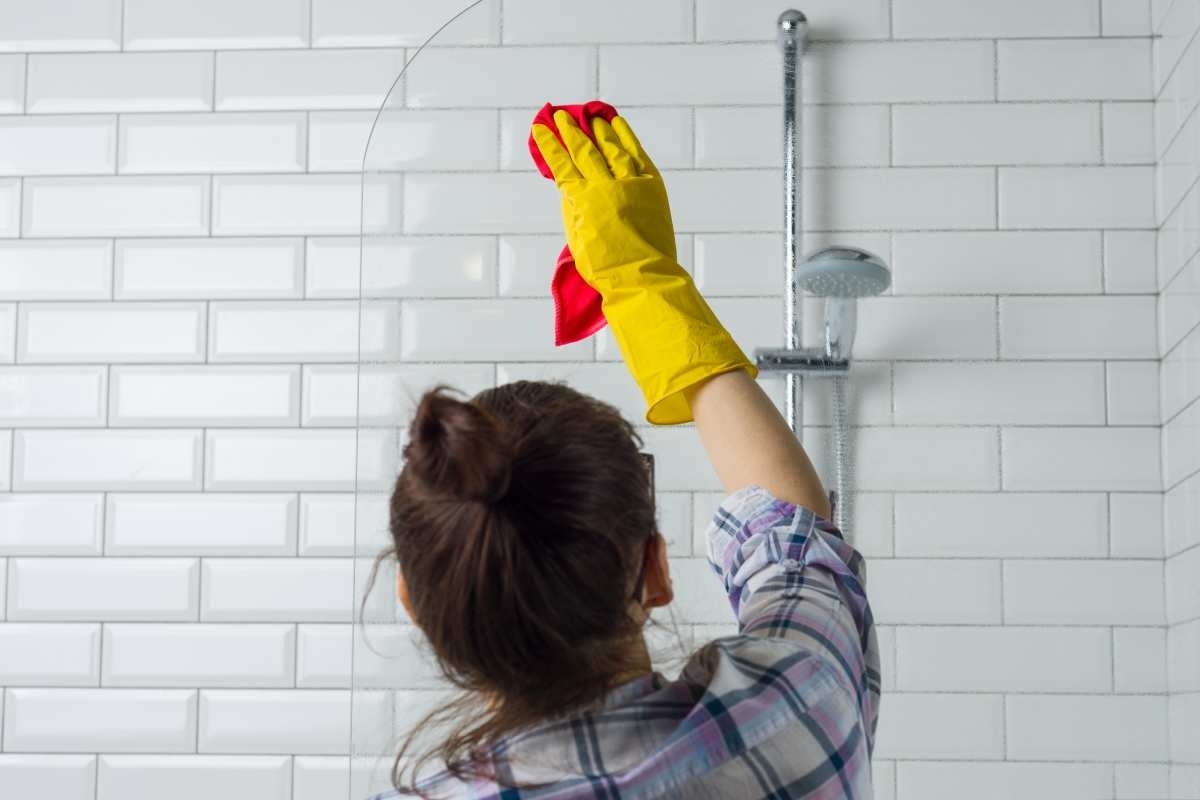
pixel 839 274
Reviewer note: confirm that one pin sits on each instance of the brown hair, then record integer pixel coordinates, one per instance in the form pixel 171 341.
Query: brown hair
pixel 520 520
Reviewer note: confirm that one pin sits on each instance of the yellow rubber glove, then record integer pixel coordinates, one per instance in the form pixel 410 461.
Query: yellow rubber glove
pixel 618 224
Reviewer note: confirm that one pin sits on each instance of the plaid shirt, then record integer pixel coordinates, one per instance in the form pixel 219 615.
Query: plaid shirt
pixel 785 709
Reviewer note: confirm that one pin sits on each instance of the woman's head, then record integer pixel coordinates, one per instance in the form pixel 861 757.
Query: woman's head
pixel 521 520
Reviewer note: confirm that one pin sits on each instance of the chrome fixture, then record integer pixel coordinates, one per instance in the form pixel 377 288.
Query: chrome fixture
pixel 839 274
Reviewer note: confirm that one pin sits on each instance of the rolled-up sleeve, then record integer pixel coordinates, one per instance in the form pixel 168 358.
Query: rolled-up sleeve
pixel 789 574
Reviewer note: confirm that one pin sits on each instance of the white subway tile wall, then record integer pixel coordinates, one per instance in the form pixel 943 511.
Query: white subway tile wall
pixel 180 203
pixel 1177 91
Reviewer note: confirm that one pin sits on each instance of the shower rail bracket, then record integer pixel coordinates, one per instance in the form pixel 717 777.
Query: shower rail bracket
pixel 807 361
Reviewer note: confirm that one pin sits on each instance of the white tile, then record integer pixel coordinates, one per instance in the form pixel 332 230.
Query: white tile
pixel 175 143
pixel 100 459
pixel 8 332
pixel 184 269
pixel 11 191
pixel 61 776
pixel 387 394
pixel 947 19
pixel 403 139
pixel 1185 744
pixel 912 591
pixel 331 268
pixel 421 266
pixel 287 205
pixel 58 145
pixel 698 594
pixel 1003 659
pixel 929 328
pixel 1009 133
pixel 720 20
pixel 103 589
pixel 448 77
pixel 1142 781
pixel 1133 393
pixel 62 25
pixel 120 82
pixel 309 722
pixel 548 22
pixel 738 263
pixel 219 24
pixel 321 777
pixel 198 655
pixel 1083 459
pixel 1074 69
pixel 6 438
pixel 12 83
pixel 961 459
pixel 1185 779
pixel 1129 262
pixel 665 132
pixel 50 524
pixel 831 136
pixel 324 656
pixel 1002 525
pixel 897 199
pixel 172 206
pixel 333 524
pixel 480 203
pixel 500 330
pixel 1033 593
pixel 199 396
pixel 1136 524
pixel 1181 456
pixel 1096 728
pixel 49 655
pixel 1174 33
pixel 1129 133
pixel 1181 507
pixel 52 396
pixel 859 72
pixel 388 23
pixel 194 777
pixel 998 780
pixel 208 524
pixel 277 590
pixel 81 720
pixel 1076 197
pixel 67 270
pixel 1139 660
pixel 314 459
pixel 1183 653
pixel 1178 311
pixel 930 726
pixel 1183 600
pixel 1000 393
pixel 1077 327
pixel 306 79
pixel 110 332
pixel 395 656
pixel 1126 18
pixel 308 330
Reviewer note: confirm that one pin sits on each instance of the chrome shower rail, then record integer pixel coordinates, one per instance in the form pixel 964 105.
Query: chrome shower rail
pixel 793 39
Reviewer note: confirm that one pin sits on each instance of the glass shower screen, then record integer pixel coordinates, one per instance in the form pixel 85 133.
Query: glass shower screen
pixel 459 240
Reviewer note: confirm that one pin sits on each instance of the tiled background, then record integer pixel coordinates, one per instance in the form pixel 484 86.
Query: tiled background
pixel 179 203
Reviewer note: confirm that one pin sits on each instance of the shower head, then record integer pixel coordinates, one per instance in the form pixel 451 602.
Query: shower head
pixel 841 275
pixel 843 272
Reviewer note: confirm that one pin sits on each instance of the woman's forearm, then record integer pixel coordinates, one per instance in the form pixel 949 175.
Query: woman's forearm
pixel 748 441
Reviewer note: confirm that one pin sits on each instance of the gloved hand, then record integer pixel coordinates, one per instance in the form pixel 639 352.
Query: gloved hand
pixel 618 225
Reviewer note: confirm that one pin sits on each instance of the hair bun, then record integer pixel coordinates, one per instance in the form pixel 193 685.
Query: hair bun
pixel 458 448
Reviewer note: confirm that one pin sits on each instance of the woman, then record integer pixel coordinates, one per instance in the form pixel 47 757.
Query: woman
pixel 523 522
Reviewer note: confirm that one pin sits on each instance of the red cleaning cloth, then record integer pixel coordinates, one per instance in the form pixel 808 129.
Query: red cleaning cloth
pixel 577 313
